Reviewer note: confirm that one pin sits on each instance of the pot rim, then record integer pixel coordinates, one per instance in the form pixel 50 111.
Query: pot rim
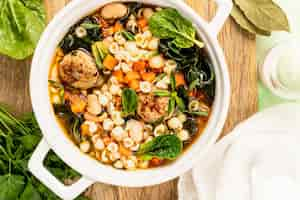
pixel 86 165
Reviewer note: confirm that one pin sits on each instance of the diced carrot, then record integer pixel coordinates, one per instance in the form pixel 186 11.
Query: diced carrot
pixel 119 75
pixel 134 84
pixel 106 140
pixel 139 66
pixel 85 130
pixel 132 75
pixel 77 104
pixel 148 76
pixel 118 27
pixel 156 162
pixel 110 62
pixel 142 23
pixel 179 77
pixel 193 93
pixel 124 151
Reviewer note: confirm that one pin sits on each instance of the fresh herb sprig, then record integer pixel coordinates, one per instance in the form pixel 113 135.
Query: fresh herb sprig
pixel 175 100
pixel 18 139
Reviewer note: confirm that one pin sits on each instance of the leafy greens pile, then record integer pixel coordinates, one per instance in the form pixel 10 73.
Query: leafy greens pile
pixel 18 139
pixel 21 24
pixel 259 16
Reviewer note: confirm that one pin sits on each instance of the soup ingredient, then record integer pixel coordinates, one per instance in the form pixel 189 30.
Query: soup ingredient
pixel 99 51
pixel 110 62
pixel 128 35
pixel 79 70
pixel 163 147
pixel 73 41
pixel 18 139
pixel 114 11
pixel 196 67
pixel 169 24
pixel 175 100
pixel 72 120
pixel 259 16
pixel 21 24
pixel 129 102
pixel 151 108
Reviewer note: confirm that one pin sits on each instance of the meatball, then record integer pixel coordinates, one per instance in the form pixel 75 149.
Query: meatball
pixel 151 108
pixel 78 69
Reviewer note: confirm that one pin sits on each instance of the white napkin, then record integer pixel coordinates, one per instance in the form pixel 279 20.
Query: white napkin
pixel 259 160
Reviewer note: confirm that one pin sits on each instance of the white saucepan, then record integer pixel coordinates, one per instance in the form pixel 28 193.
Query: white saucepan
pixel 93 171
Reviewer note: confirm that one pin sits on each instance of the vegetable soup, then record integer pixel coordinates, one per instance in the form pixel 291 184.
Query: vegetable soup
pixel 132 85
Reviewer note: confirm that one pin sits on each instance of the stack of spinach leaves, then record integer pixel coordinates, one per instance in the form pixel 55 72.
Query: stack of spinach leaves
pixel 18 139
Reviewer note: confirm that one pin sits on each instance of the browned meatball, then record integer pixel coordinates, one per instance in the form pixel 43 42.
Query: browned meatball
pixel 151 108
pixel 79 70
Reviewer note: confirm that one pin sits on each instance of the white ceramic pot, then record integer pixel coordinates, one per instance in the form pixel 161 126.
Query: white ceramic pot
pixel 93 171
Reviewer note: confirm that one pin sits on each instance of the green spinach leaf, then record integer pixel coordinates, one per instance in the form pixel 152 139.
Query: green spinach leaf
pixel 163 147
pixel 11 186
pixel 21 24
pixel 31 193
pixel 169 24
pixel 129 102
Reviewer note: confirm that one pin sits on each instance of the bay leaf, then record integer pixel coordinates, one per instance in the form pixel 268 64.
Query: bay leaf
pixel 239 17
pixel 264 14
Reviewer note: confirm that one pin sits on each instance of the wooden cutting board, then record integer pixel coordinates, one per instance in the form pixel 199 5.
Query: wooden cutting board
pixel 240 53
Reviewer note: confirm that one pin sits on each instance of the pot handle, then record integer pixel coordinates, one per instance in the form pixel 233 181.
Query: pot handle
pixel 223 12
pixel 37 168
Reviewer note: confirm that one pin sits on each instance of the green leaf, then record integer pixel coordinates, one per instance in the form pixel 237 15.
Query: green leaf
pixel 31 193
pixel 244 23
pixel 264 14
pixel 171 106
pixel 30 141
pixel 11 186
pixel 129 102
pixel 162 93
pixel 163 147
pixel 21 24
pixel 169 24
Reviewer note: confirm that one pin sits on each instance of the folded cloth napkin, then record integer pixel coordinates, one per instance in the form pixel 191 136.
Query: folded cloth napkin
pixel 259 160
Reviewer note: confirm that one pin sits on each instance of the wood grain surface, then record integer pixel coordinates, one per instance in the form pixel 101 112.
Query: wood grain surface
pixel 240 54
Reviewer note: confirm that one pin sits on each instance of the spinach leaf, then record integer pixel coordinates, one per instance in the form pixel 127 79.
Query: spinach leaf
pixel 163 147
pixel 30 141
pixel 11 186
pixel 169 24
pixel 21 24
pixel 31 193
pixel 129 102
pixel 74 121
pixel 191 124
